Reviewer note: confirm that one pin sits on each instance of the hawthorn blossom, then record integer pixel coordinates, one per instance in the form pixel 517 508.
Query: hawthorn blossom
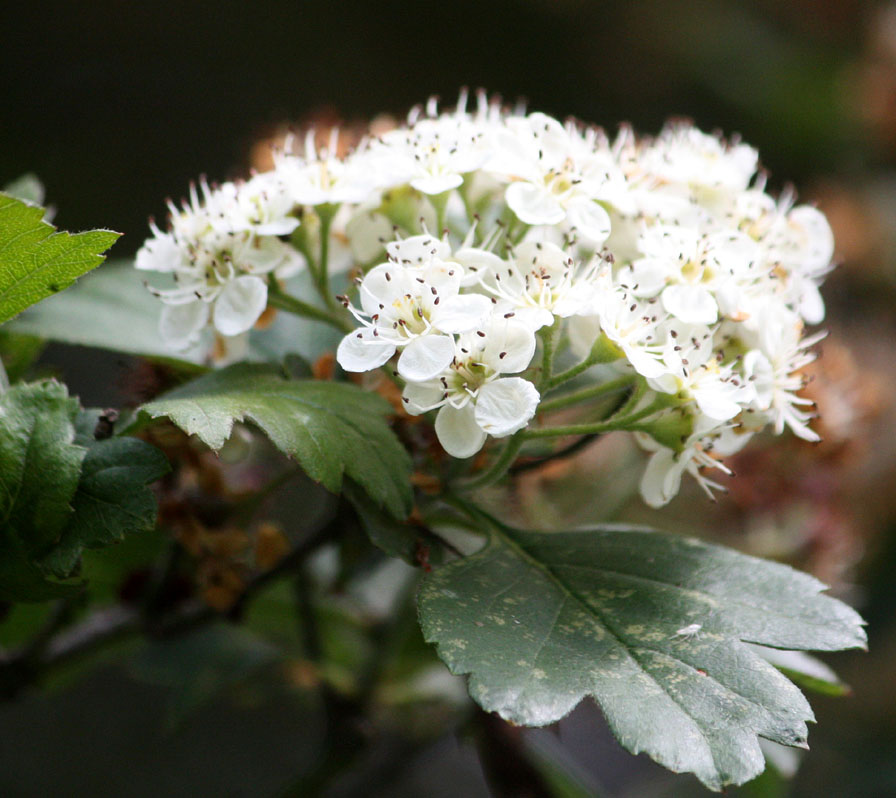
pixel 411 303
pixel 473 398
pixel 696 275
pixel 666 259
pixel 547 184
pixel 219 274
pixel 536 282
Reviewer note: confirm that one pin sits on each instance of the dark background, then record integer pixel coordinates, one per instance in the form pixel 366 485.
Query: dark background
pixel 117 105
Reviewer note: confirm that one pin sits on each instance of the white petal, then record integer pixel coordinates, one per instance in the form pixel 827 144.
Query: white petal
pixel 506 405
pixel 278 227
pixel 461 313
pixel 590 220
pixel 648 274
pixel 583 332
pixel 436 184
pixel 509 347
pixel 426 357
pixel 716 402
pixel 458 431
pixel 534 205
pixel 366 233
pixel 418 397
pixel 239 305
pixel 361 351
pixel 160 254
pixel 662 478
pixel 478 263
pixel 692 304
pixel 811 305
pixel 382 285
pixel 179 325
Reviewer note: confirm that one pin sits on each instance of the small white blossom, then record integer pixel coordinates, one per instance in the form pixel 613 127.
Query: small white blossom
pixel 473 397
pixel 548 185
pixel 536 282
pixel 411 303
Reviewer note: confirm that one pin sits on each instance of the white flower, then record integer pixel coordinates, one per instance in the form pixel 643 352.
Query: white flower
pixel 217 270
pixel 687 157
pixel 548 184
pixel 260 205
pixel 695 373
pixel 434 153
pixel 536 282
pixel 695 275
pixel 662 477
pixel 771 369
pixel 412 303
pixel 637 326
pixel 321 177
pixel 474 399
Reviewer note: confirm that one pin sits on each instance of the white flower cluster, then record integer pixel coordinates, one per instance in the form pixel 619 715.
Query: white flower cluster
pixel 219 250
pixel 668 252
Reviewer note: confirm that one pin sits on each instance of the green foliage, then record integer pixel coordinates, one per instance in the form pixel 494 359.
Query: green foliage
pixel 410 542
pixel 111 309
pixel 36 261
pixel 112 499
pixel 650 625
pixel 40 462
pixel 331 429
pixel 60 491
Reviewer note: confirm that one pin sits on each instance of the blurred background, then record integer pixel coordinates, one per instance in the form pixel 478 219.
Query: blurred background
pixel 116 106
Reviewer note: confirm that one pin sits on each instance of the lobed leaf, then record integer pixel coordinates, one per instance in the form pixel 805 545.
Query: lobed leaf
pixel 112 499
pixel 36 261
pixel 651 625
pixel 39 463
pixel 331 429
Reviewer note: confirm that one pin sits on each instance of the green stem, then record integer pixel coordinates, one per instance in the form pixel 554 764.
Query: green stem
pixel 497 469
pixel 603 351
pixel 440 203
pixel 611 424
pixel 549 346
pixel 278 298
pixel 584 394
pixel 325 213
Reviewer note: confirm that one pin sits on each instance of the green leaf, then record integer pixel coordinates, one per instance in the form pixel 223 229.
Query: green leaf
pixel 36 261
pixel 112 499
pixel 650 625
pixel 39 470
pixel 111 309
pixel 39 463
pixel 21 579
pixel 411 542
pixel 330 428
pixel 807 671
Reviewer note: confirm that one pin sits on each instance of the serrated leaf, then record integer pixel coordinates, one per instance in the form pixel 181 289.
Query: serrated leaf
pixel 111 309
pixel 807 671
pixel 39 463
pixel 36 261
pixel 331 429
pixel 403 539
pixel 112 499
pixel 650 625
